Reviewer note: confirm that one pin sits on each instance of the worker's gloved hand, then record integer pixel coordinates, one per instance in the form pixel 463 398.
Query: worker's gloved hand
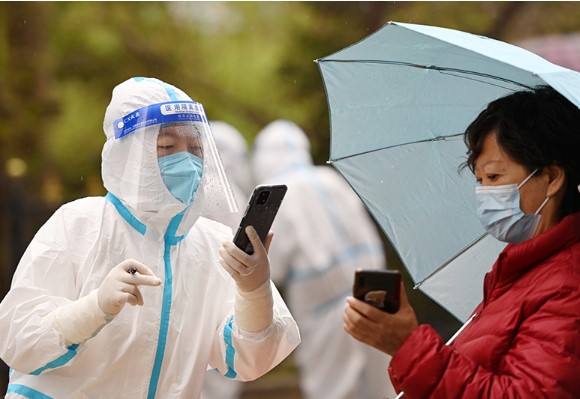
pixel 121 286
pixel 249 271
pixel 253 309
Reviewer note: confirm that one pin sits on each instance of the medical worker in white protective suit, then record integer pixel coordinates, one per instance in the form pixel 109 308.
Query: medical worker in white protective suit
pixel 233 150
pixel 328 234
pixel 66 327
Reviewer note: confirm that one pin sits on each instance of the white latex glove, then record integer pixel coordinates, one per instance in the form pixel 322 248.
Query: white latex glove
pixel 253 309
pixel 249 271
pixel 121 286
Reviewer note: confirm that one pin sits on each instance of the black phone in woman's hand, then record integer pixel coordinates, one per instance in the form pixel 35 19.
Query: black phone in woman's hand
pixel 380 288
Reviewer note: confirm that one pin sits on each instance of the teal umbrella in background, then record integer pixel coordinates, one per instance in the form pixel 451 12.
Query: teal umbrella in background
pixel 399 103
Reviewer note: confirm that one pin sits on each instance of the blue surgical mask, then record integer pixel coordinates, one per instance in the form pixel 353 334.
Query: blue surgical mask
pixel 181 173
pixel 498 208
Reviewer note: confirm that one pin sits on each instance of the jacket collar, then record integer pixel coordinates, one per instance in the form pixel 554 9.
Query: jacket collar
pixel 516 259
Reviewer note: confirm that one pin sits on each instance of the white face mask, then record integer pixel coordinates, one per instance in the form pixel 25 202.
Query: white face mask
pixel 498 208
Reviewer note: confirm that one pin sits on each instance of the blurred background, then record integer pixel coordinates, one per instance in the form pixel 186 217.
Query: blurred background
pixel 248 62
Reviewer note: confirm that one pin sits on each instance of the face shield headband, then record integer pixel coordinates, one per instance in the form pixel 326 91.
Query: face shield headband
pixel 207 190
pixel 169 112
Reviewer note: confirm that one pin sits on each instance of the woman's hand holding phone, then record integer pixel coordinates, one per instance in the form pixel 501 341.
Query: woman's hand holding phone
pixel 381 330
pixel 379 314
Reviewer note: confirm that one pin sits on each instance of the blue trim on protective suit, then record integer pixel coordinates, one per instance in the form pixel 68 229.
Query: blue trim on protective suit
pixel 334 214
pixel 331 304
pixel 26 392
pixel 230 350
pixel 348 253
pixel 170 239
pixel 169 89
pixel 59 361
pixel 126 214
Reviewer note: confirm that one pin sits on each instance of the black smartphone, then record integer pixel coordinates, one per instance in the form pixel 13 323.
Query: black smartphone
pixel 380 288
pixel 260 213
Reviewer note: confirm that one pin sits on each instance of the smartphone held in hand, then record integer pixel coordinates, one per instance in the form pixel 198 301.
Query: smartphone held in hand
pixel 260 214
pixel 380 288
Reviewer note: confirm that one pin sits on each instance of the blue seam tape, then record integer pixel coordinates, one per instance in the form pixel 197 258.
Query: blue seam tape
pixel 60 361
pixel 230 350
pixel 331 304
pixel 345 255
pixel 25 391
pixel 333 212
pixel 126 214
pixel 168 88
pixel 170 240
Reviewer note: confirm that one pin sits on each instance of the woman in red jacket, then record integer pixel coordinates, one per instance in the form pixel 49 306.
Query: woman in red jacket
pixel 523 340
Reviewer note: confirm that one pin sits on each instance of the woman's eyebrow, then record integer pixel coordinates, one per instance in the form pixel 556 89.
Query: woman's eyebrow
pixel 487 163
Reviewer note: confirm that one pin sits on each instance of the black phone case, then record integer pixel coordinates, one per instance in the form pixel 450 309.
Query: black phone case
pixel 260 213
pixel 380 288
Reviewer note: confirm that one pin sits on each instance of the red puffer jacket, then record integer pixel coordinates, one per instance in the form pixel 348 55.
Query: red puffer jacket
pixel 524 341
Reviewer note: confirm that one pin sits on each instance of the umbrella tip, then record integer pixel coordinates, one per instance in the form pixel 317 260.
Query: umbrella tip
pixel 329 162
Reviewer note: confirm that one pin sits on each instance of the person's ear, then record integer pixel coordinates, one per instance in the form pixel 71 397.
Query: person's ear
pixel 556 179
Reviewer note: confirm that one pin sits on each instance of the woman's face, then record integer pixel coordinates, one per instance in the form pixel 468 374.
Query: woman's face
pixel 494 167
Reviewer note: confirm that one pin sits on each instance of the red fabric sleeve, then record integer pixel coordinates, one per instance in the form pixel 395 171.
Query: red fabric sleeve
pixel 541 363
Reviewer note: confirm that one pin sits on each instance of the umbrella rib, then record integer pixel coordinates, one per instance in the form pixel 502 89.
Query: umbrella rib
pixel 438 138
pixel 433 67
pixel 443 266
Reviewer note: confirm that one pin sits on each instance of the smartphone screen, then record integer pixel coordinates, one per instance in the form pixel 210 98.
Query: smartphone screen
pixel 260 213
pixel 380 288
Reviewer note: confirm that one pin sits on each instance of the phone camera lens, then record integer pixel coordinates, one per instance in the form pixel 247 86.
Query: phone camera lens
pixel 263 197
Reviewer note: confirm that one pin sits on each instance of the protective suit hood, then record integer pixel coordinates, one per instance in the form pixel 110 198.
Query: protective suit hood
pixel 280 147
pixel 130 168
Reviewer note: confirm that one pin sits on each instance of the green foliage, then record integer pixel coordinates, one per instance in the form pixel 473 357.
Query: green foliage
pixel 76 134
pixel 247 62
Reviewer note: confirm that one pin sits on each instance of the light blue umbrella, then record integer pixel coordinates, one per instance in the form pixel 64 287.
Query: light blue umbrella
pixel 399 102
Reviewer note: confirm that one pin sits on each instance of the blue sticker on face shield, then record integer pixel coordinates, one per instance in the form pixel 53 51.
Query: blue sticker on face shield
pixel 169 112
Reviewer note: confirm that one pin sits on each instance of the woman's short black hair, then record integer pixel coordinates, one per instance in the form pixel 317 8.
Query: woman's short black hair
pixel 536 128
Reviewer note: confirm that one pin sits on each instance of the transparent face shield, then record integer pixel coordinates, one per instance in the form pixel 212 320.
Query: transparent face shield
pixel 180 164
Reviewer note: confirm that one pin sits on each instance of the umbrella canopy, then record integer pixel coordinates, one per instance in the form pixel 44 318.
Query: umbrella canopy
pixel 399 102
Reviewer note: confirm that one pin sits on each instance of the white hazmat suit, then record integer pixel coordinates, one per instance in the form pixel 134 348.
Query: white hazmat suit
pixel 53 332
pixel 328 234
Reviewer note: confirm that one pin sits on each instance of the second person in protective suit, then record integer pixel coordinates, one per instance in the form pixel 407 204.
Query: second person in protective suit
pixel 64 328
pixel 328 234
